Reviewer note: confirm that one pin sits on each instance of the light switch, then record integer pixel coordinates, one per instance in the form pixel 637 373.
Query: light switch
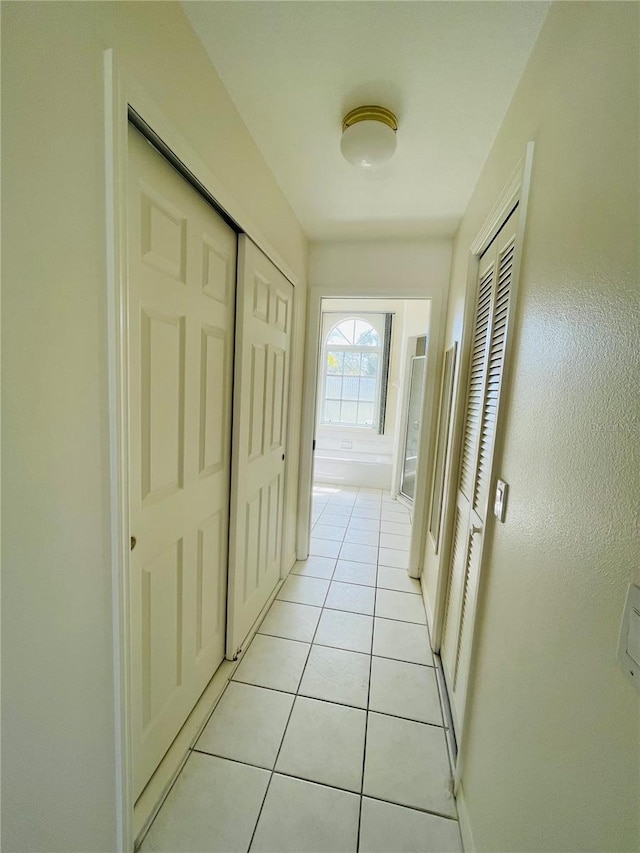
pixel 629 643
pixel 633 636
pixel 500 503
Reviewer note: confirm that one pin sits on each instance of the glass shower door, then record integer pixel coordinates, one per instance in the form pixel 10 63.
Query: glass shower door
pixel 414 414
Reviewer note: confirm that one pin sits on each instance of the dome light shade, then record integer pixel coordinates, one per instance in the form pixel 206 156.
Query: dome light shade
pixel 368 136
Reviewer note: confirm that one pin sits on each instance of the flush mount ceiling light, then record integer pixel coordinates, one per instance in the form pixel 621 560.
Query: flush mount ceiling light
pixel 368 136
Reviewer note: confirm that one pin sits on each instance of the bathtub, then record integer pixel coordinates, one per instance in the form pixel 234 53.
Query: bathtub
pixel 352 468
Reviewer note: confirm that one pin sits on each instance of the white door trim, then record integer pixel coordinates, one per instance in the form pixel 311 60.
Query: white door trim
pixel 120 92
pixel 516 192
pixel 427 438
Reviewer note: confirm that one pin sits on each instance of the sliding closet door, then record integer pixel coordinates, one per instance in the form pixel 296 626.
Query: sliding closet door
pixel 182 263
pixel 493 306
pixel 263 342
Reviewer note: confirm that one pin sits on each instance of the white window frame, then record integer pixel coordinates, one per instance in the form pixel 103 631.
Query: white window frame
pixel 330 321
pixel 379 350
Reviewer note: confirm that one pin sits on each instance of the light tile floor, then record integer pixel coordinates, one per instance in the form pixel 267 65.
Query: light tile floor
pixel 329 738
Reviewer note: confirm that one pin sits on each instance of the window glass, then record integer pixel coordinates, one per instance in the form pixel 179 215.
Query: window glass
pixel 351 382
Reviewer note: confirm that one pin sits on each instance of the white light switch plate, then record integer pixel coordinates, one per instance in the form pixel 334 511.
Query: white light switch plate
pixel 629 643
pixel 500 503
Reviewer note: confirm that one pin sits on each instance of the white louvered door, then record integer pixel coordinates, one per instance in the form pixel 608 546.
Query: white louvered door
pixel 261 404
pixel 493 303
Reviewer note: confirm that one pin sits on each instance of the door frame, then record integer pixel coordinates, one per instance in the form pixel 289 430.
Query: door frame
pixel 427 435
pixel 122 94
pixel 400 455
pixel 515 192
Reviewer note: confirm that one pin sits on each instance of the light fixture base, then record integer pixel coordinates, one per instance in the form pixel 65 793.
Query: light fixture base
pixel 372 112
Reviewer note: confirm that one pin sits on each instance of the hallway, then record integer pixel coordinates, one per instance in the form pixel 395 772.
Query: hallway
pixel 329 736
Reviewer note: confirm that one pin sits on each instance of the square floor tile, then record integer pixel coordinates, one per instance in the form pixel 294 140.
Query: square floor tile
pixel 304 590
pixel 402 641
pixel 327 531
pixel 367 512
pixel 324 547
pixel 351 597
pixel 324 743
pixel 394 558
pixel 399 527
pixel 359 553
pixel 341 505
pixel 291 621
pixel 214 805
pixel 368 502
pixel 397 579
pixel 394 505
pixel 361 537
pixel 273 662
pixel 247 725
pixel 400 605
pixel 364 524
pixel 348 571
pixel 334 519
pixel 385 827
pixel 343 630
pixel 302 817
pixel 396 515
pixel 407 763
pixel 405 690
pixel 399 543
pixel 337 676
pixel 315 567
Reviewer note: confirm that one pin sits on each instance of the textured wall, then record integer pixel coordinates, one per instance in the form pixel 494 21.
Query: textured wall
pixel 554 737
pixel 58 784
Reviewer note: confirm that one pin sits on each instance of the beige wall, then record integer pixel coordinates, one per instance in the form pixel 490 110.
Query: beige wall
pixel 58 785
pixel 386 267
pixel 554 738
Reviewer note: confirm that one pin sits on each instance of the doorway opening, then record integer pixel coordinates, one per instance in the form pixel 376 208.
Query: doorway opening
pixel 367 415
pixel 416 367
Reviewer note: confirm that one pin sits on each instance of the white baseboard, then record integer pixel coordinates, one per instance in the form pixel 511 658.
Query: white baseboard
pixel 288 564
pixel 157 788
pixel 160 784
pixel 464 823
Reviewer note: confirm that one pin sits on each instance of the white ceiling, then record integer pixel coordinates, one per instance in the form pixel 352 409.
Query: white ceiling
pixel 447 69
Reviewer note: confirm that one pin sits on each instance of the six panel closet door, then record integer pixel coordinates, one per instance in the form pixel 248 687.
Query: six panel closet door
pixel 264 326
pixel 182 276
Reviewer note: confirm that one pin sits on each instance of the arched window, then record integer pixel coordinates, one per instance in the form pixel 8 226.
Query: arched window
pixel 352 370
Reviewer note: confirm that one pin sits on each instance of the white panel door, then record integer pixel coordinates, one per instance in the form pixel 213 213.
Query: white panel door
pixel 182 259
pixel 493 305
pixel 263 342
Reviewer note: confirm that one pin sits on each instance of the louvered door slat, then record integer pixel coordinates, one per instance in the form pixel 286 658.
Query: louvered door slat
pixel 465 606
pixel 486 363
pixel 494 376
pixel 452 606
pixel 476 376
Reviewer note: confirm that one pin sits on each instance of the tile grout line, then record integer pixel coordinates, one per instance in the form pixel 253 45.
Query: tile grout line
pixel 332 787
pixel 353 583
pixel 322 608
pixel 366 721
pixel 337 701
pixel 284 732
